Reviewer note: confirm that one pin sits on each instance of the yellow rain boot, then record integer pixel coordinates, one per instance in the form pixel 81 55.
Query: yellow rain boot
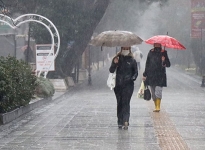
pixel 157 105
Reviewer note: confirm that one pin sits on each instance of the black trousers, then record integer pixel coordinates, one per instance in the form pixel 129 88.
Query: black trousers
pixel 123 95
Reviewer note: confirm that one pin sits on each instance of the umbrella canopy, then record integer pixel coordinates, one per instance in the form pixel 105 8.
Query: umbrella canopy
pixel 116 38
pixel 166 41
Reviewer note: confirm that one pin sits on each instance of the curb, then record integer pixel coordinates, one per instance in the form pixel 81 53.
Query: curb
pixel 10 116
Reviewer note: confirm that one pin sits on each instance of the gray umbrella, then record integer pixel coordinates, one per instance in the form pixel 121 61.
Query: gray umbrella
pixel 116 38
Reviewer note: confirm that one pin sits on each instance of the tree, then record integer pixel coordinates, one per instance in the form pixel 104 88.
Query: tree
pixel 19 6
pixel 75 21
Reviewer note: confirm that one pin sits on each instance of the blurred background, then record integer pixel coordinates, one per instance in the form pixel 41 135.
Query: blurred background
pixel 79 21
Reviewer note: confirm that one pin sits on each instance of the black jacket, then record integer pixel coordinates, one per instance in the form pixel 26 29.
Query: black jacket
pixel 155 71
pixel 126 70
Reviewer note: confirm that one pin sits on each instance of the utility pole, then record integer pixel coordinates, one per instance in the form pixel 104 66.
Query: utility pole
pixel 14 38
pixel 28 44
pixel 89 69
pixel 201 60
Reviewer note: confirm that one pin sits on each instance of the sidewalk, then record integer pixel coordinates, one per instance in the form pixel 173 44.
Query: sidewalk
pixel 84 118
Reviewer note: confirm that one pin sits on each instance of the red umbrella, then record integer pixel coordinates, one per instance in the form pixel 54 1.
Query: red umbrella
pixel 166 41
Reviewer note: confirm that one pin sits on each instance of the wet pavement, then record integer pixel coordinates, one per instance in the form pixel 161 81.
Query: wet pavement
pixel 84 118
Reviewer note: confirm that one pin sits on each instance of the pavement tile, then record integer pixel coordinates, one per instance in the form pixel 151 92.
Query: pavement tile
pixel 85 119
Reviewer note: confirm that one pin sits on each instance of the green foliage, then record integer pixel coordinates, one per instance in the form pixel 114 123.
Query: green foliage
pixel 17 84
pixel 45 88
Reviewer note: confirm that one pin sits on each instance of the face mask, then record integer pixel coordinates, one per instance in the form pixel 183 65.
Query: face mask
pixel 125 52
pixel 157 49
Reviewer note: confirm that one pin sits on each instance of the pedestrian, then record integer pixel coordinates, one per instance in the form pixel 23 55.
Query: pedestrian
pixel 28 53
pixel 138 56
pixel 126 73
pixel 155 73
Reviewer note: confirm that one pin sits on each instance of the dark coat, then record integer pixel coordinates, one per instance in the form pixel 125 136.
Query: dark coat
pixel 155 71
pixel 127 71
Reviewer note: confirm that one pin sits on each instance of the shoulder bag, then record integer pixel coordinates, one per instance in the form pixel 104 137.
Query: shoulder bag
pixel 111 81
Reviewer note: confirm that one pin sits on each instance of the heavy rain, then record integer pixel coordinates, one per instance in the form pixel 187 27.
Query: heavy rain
pixel 55 93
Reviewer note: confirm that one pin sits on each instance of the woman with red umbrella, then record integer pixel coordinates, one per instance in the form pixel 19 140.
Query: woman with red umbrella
pixel 155 73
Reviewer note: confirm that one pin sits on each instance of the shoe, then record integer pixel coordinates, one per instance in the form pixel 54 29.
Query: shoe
pixel 120 126
pixel 125 127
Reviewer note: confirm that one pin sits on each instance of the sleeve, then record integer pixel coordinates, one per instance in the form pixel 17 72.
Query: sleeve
pixel 113 66
pixel 166 62
pixel 135 70
pixel 147 65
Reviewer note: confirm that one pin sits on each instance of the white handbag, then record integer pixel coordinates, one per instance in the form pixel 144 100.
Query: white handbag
pixel 111 80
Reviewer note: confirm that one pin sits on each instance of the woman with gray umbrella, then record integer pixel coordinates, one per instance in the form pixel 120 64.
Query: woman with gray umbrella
pixel 126 73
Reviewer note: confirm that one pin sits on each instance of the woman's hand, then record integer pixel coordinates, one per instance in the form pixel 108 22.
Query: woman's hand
pixel 115 60
pixel 144 78
pixel 163 61
pixel 163 58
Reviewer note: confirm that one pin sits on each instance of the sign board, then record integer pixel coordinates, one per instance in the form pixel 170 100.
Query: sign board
pixel 197 18
pixel 45 58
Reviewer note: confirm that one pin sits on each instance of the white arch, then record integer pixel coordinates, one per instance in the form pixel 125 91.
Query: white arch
pixel 14 23
pixel 52 39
